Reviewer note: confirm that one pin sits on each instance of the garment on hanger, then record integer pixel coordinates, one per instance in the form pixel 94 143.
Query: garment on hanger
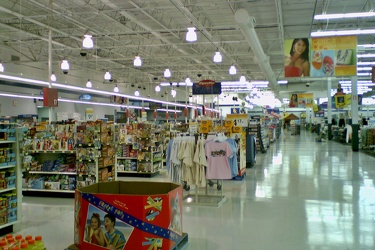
pixel 233 160
pixel 201 163
pixel 217 160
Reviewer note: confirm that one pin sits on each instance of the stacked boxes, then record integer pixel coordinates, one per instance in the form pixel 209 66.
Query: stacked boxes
pixel 8 208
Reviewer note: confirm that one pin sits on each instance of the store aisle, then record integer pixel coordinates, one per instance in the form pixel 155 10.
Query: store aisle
pixel 301 194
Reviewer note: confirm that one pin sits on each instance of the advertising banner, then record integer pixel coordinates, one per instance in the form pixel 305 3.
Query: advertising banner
pixel 301 100
pixel 320 57
pixel 334 56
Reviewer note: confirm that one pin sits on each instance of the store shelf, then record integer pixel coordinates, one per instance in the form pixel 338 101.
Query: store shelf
pixel 7 190
pixel 137 174
pixel 51 151
pixel 3 142
pixel 45 172
pixel 127 158
pixel 47 190
pixel 9 224
pixel 8 166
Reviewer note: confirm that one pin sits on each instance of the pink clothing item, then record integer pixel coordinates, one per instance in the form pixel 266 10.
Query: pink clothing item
pixel 217 160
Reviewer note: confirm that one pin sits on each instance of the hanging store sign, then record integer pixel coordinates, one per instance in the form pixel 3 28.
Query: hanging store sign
pixel 301 100
pixel 207 87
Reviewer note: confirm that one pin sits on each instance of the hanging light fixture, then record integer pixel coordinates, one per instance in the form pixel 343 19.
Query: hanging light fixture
pixel 136 93
pixel 173 93
pixel 107 76
pixel 188 82
pixel 137 61
pixel 232 70
pixel 65 65
pixel 89 84
pixel 53 77
pixel 242 79
pixel 87 42
pixel 1 67
pixel 191 35
pixel 218 58
pixel 116 89
pixel 157 88
pixel 167 73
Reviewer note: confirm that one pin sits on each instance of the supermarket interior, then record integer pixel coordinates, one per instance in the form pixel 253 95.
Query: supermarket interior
pixel 186 124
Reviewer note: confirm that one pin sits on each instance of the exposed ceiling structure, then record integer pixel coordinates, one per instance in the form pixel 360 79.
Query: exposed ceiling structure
pixel 155 30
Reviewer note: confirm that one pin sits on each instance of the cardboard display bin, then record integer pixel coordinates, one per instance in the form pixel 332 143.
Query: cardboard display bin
pixel 148 215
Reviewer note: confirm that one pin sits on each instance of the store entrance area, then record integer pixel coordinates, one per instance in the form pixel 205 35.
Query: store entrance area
pixel 301 194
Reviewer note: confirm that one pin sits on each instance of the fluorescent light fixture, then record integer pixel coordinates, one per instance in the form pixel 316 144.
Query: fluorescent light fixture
pixel 1 67
pixel 282 82
pixel 365 63
pixel 101 104
pixel 218 58
pixel 116 89
pixel 137 61
pixel 53 77
pixel 169 110
pixel 165 84
pixel 88 43
pixel 24 80
pixel 174 83
pixel 342 32
pixel 157 88
pixel 136 93
pixel 364 68
pixel 182 84
pixel 167 73
pixel 363 74
pixel 232 70
pixel 20 96
pixel 65 65
pixel 191 35
pixel 366 45
pixel 365 55
pixel 107 76
pixel 344 15
pixel 89 84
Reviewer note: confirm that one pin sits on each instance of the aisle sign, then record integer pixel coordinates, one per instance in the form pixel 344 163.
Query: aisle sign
pixel 89 114
pixel 239 120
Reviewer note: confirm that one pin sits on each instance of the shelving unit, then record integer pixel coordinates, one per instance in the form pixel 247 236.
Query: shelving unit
pixel 140 150
pixel 10 181
pixel 58 158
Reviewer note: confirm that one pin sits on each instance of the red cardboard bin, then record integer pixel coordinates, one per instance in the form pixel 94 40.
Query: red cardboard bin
pixel 147 215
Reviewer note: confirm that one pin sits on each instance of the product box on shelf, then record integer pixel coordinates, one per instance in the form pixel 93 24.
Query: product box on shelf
pixel 146 215
pixel 52 185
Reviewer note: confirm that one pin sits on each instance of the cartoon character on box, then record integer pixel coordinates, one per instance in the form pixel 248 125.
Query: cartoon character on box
pixel 70 144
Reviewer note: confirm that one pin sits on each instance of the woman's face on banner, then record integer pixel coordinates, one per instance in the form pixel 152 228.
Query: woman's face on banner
pixel 299 47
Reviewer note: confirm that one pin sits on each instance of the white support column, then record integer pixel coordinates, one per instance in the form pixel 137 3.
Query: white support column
pixel 50 111
pixel 329 108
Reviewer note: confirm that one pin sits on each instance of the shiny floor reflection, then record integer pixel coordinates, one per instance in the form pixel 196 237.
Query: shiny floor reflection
pixel 301 194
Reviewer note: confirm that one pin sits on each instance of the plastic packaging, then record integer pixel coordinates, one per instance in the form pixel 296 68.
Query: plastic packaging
pixel 39 244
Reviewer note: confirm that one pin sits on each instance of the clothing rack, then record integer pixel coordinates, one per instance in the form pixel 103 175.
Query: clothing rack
pixel 206 199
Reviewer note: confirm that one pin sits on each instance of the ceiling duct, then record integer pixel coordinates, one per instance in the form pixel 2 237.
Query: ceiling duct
pixel 247 24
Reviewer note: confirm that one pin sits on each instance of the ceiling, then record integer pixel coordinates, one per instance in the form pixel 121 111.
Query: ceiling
pixel 155 30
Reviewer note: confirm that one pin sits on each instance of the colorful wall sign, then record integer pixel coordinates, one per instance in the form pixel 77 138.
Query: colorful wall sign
pixel 207 87
pixel 301 100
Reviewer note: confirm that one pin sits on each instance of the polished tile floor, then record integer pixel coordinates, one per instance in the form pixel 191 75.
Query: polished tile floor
pixel 300 195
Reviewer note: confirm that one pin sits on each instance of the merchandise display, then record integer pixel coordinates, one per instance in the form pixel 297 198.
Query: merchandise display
pixel 62 156
pixel 10 195
pixel 139 149
pixel 17 241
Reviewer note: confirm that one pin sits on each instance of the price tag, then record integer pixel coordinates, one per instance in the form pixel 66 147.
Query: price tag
pixel 45 151
pixel 80 145
pixel 53 151
pixel 89 144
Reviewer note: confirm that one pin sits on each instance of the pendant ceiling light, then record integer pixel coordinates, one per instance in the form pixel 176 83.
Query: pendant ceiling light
pixel 232 70
pixel 218 58
pixel 87 42
pixel 1 67
pixel 137 61
pixel 242 79
pixel 191 35
pixel 107 76
pixel 89 84
pixel 116 89
pixel 188 82
pixel 65 65
pixel 157 88
pixel 53 77
pixel 173 93
pixel 167 73
pixel 136 93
